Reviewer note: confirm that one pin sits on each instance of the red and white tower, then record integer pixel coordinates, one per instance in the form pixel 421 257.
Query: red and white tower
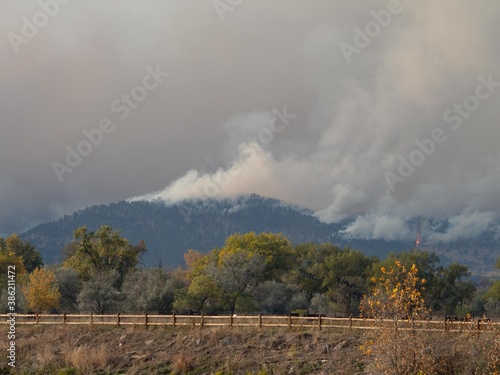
pixel 417 240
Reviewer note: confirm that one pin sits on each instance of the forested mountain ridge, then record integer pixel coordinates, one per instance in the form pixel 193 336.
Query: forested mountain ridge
pixel 170 230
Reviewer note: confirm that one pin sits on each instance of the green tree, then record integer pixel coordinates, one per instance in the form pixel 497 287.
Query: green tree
pixel 307 270
pixel 69 286
pixel 328 272
pixel 102 251
pixel 450 290
pixel 14 246
pixel 491 298
pixel 203 294
pixel 227 278
pixel 275 248
pixel 346 278
pixel 235 273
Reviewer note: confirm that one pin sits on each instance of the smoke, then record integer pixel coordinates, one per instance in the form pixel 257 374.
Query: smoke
pixel 370 138
pixel 425 62
pixel 378 226
pixel 466 226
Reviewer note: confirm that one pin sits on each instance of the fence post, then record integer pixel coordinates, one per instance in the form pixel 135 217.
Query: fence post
pixel 146 320
pixel 260 320
pixel 64 318
pixel 37 318
pixel 350 322
pixel 231 320
pixel 174 319
pixel 118 319
pixel 445 322
pixel 202 321
pixel 319 322
pixel 289 320
pixel 91 318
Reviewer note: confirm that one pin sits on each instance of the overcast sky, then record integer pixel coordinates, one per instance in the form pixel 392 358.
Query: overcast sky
pixel 323 104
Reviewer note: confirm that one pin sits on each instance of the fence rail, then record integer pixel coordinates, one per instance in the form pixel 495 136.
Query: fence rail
pixel 246 321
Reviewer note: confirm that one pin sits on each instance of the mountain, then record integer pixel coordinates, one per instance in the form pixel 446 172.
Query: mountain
pixel 170 230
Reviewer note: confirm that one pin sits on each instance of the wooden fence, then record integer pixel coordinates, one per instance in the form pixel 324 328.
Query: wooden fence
pixel 259 321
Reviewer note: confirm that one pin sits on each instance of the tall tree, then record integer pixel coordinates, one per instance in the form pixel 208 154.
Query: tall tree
pixel 102 251
pixel 14 245
pixel 339 275
pixel 228 276
pixel 41 292
pixel 491 298
pixel 451 289
pixel 346 278
pixel 100 294
pixel 150 290
pixel 69 286
pixel 307 269
pixel 235 273
pixel 275 248
pixel 396 294
pixel 447 287
pixel 203 294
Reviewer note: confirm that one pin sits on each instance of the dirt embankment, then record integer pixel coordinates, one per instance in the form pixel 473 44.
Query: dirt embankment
pixel 222 351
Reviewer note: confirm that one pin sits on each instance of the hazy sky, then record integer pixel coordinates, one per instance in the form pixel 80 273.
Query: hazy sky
pixel 316 103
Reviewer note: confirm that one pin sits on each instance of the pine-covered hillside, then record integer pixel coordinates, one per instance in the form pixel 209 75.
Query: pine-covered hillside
pixel 170 230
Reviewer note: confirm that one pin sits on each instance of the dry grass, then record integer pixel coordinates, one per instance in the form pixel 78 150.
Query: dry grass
pixel 44 350
pixel 440 353
pixel 182 363
pixel 87 358
pixel 46 355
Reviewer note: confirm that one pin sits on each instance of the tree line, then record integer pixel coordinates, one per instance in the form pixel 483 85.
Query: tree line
pixel 264 272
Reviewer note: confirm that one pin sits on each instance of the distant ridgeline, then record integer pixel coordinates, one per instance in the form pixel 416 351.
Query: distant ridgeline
pixel 170 230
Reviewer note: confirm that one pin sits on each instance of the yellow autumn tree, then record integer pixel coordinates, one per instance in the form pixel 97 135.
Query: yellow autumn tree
pixel 396 297
pixel 396 294
pixel 41 292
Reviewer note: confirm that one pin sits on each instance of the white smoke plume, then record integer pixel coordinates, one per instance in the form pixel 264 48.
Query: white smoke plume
pixel 405 126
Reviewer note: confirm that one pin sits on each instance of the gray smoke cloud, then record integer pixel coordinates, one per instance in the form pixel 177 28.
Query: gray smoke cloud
pixel 384 110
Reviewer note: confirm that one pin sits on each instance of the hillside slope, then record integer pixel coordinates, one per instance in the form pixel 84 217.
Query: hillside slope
pixel 166 351
pixel 170 230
